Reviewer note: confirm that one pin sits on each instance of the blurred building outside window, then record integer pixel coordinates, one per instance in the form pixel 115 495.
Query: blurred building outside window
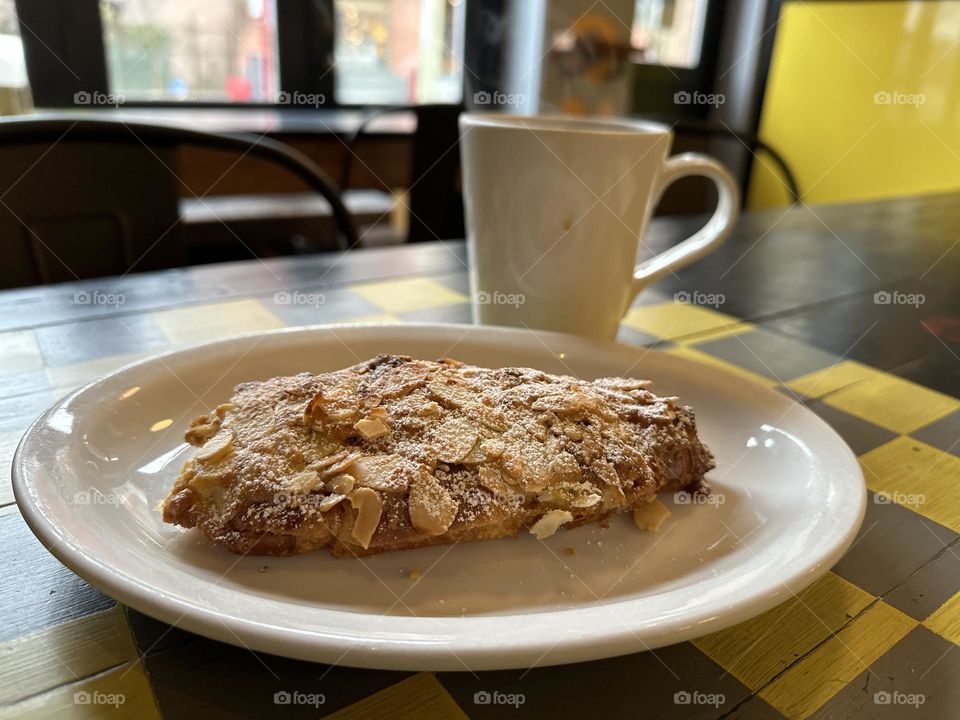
pixel 14 86
pixel 668 32
pixel 397 52
pixel 191 50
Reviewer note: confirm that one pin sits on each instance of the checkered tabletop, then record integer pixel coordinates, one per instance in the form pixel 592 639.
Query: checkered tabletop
pixel 875 637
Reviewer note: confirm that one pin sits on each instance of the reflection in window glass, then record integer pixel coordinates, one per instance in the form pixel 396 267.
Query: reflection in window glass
pixel 668 32
pixel 394 52
pixel 193 50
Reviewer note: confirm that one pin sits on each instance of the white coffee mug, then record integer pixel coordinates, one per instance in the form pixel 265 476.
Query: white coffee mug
pixel 556 209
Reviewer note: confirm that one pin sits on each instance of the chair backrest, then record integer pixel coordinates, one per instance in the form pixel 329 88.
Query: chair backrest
pixel 435 197
pixel 751 143
pixel 86 198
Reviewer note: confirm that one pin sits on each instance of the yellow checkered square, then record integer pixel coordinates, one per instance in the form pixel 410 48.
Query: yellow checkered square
pixel 702 357
pixel 946 620
pixel 916 475
pixel 806 686
pixel 203 323
pixel 892 402
pixel 672 320
pixel 757 650
pixel 397 296
pixel 819 383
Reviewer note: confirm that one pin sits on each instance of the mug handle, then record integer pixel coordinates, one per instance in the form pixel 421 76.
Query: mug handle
pixel 707 238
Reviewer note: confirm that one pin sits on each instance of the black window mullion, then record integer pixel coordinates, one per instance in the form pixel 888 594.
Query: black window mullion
pixel 63 49
pixel 305 37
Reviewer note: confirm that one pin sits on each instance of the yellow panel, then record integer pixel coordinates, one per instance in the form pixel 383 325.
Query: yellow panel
pixel 757 650
pixel 893 403
pixel 121 694
pixel 203 323
pixel 702 357
pixel 397 296
pixel 89 645
pixel 672 320
pixel 946 620
pixel 820 675
pixel 860 100
pixel 918 476
pixel 419 696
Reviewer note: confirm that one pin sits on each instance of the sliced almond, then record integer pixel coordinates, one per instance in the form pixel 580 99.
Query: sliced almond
pixel 613 497
pixel 379 412
pixel 341 484
pixel 492 449
pixel 578 495
pixel 224 408
pixel 202 429
pixel 432 507
pixel 428 409
pixel 453 439
pixel 329 502
pixel 492 479
pixel 333 405
pixel 372 428
pixel 380 472
pixel 325 462
pixel 304 482
pixel 455 396
pixel 217 447
pixel 565 468
pixel 369 508
pixel 340 466
pixel 550 523
pixel 475 456
pixel 650 516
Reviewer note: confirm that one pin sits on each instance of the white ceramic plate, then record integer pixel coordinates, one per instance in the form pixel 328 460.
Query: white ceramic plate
pixel 789 498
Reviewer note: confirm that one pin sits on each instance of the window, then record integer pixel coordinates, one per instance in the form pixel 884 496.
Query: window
pixel 14 93
pixel 668 32
pixel 399 51
pixel 191 50
pixel 275 52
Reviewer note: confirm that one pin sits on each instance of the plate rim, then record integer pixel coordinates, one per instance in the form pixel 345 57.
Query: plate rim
pixel 395 654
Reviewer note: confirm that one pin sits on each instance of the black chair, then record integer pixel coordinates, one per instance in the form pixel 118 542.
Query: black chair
pixel 435 199
pixel 749 141
pixel 84 198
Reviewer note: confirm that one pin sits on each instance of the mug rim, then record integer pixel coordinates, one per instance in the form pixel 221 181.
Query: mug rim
pixel 565 124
